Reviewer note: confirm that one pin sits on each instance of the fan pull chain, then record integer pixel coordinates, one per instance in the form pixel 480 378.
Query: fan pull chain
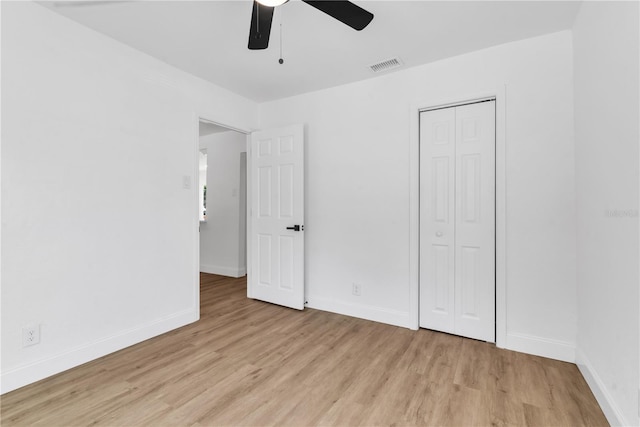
pixel 281 61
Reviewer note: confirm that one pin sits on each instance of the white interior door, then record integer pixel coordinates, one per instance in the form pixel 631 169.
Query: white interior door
pixel 276 223
pixel 475 221
pixel 437 219
pixel 457 220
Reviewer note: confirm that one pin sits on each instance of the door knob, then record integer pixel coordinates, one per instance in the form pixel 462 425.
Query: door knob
pixel 438 233
pixel 296 227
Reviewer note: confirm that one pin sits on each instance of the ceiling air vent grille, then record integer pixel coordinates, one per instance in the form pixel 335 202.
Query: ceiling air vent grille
pixel 386 65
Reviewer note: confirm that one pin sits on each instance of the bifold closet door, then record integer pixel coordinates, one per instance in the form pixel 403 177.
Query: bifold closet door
pixel 457 220
pixel 437 219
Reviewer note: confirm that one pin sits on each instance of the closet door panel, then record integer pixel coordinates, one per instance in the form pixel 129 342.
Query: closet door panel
pixel 475 221
pixel 437 219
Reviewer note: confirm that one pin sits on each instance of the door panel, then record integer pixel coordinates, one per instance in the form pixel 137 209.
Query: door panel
pixel 469 259
pixel 276 268
pixel 437 150
pixel 264 190
pixel 285 182
pixel 470 187
pixel 475 221
pixel 264 256
pixel 443 281
pixel 442 188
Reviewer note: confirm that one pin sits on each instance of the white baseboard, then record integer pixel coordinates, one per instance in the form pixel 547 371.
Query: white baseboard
pixel 29 373
pixel 538 346
pixel 223 271
pixel 611 411
pixel 367 312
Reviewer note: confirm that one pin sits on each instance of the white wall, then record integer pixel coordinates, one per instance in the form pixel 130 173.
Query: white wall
pixel 606 47
pixel 98 235
pixel 223 235
pixel 358 175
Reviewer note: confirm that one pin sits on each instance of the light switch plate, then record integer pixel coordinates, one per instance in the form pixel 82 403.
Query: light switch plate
pixel 186 182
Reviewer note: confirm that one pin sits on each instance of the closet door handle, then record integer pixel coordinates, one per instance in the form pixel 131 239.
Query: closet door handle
pixel 296 227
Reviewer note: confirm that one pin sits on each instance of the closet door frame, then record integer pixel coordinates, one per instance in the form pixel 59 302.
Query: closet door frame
pixel 499 95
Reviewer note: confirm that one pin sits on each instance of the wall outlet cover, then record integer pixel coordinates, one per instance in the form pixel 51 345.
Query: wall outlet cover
pixel 31 335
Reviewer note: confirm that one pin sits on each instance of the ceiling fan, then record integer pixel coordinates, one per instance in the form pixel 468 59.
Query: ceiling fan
pixel 81 3
pixel 262 16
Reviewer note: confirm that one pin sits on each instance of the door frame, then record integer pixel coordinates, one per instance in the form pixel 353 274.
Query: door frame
pixel 499 94
pixel 198 117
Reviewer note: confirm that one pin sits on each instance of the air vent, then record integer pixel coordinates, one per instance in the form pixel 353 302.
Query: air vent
pixel 386 65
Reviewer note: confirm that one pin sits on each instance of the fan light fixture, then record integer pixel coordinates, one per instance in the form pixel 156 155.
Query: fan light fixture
pixel 272 3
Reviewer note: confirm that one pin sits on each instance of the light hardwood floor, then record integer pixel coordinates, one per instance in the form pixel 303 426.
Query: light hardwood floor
pixel 252 363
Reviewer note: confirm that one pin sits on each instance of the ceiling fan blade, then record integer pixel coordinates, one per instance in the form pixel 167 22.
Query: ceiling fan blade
pixel 344 11
pixel 82 3
pixel 261 19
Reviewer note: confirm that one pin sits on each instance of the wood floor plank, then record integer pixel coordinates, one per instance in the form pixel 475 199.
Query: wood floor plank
pixel 500 409
pixel 249 363
pixel 472 369
pixel 444 359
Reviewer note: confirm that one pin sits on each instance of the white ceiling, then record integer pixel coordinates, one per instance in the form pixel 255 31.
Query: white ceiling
pixel 209 38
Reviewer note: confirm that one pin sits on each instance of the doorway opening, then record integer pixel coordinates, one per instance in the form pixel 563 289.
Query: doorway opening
pixel 222 201
pixel 266 178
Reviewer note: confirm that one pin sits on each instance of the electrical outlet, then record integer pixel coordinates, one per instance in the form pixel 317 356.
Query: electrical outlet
pixel 356 289
pixel 31 335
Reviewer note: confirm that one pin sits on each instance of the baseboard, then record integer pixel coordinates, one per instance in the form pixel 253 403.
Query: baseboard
pixel 611 411
pixel 367 312
pixel 223 271
pixel 46 367
pixel 538 346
